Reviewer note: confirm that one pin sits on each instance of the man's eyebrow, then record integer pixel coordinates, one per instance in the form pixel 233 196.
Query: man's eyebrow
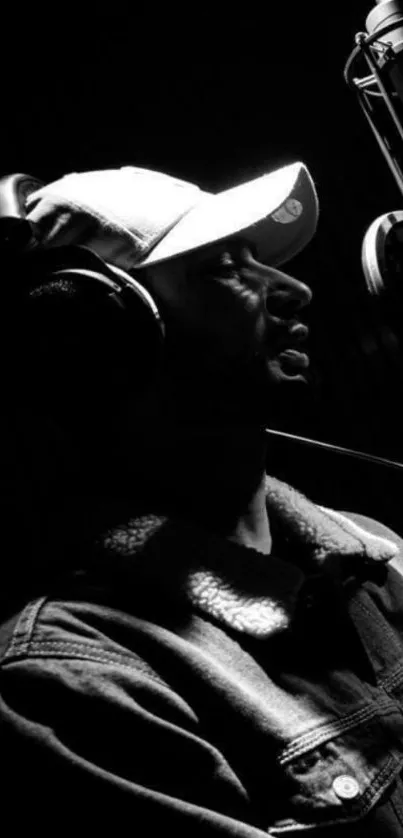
pixel 240 242
pixel 212 258
pixel 225 252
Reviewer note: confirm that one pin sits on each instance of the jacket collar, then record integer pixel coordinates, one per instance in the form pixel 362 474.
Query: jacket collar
pixel 325 532
pixel 238 586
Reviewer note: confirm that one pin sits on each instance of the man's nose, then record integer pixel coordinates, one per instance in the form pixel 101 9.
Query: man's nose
pixel 284 290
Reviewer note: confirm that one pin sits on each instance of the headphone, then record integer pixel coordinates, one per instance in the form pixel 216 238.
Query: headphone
pixel 121 292
pixel 29 264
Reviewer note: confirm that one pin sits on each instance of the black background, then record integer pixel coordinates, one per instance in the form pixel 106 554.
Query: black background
pixel 220 96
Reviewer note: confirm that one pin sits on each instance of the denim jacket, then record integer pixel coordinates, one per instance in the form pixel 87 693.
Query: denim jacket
pixel 198 688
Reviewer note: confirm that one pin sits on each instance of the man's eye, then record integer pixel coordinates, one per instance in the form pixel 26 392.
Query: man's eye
pixel 223 265
pixel 226 259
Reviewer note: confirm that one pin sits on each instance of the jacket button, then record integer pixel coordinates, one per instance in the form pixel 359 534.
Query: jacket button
pixel 346 787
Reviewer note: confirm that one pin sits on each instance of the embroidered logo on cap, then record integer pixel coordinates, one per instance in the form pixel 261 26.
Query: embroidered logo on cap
pixel 288 212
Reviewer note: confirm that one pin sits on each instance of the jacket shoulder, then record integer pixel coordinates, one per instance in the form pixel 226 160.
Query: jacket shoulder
pixel 375 527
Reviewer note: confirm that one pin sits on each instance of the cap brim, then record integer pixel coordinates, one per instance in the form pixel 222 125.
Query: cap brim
pixel 277 213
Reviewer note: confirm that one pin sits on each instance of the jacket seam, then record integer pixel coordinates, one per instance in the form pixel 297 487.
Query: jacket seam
pixel 379 779
pixel 366 803
pixel 373 616
pixel 329 730
pixel 396 801
pixel 64 649
pixel 25 626
pixel 393 679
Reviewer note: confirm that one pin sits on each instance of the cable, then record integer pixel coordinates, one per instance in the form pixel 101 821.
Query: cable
pixel 336 449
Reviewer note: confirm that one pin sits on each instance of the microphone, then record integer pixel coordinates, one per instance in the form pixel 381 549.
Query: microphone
pixel 380 94
pixel 386 12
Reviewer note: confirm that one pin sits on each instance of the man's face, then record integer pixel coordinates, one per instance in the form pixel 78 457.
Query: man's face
pixel 242 314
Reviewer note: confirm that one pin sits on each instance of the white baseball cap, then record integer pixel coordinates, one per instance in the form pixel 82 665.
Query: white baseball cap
pixel 134 218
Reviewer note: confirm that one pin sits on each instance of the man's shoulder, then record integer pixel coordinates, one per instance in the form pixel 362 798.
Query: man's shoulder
pixel 78 628
pixel 377 528
pixel 374 526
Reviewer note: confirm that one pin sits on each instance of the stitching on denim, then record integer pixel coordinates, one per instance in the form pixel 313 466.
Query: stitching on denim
pixel 394 678
pixel 24 627
pixel 373 616
pixel 63 648
pixel 367 801
pixel 377 783
pixel 396 801
pixel 320 735
pixel 392 681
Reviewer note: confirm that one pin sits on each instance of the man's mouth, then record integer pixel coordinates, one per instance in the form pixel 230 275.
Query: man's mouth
pixel 294 358
pixel 284 347
pixel 290 355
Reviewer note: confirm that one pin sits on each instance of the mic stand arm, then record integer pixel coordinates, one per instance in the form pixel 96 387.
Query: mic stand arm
pixel 362 88
pixel 337 449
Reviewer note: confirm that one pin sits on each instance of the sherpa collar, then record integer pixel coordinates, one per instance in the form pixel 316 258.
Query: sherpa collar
pixel 238 586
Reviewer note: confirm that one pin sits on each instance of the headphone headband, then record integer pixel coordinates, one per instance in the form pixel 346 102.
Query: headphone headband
pixel 27 263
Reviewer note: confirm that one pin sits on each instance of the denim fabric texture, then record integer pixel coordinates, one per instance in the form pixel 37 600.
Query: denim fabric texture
pixel 198 688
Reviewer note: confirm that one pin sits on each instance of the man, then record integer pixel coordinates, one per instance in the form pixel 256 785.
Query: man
pixel 228 661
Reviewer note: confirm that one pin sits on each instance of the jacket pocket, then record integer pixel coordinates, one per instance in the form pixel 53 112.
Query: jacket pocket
pixel 340 780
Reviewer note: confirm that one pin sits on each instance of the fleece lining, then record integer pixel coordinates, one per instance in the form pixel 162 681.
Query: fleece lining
pixel 241 588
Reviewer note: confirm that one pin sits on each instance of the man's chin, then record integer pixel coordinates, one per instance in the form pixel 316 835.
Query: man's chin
pixel 270 384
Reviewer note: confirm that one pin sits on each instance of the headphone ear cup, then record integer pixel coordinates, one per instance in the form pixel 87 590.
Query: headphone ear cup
pixel 88 340
pixel 134 330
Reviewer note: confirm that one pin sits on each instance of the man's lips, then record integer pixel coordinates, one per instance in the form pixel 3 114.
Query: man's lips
pixel 294 358
pixel 298 332
pixel 289 351
pixel 284 335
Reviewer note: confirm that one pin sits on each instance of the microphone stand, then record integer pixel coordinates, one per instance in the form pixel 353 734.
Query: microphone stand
pixel 364 88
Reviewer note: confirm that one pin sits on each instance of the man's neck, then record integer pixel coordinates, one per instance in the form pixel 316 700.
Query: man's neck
pixel 216 479
pixel 252 529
